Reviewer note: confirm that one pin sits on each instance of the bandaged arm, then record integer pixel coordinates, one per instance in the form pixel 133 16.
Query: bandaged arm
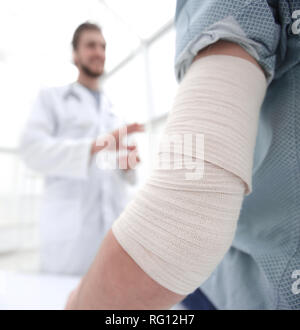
pixel 176 231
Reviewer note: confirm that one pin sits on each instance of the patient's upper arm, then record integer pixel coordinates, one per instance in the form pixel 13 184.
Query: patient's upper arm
pixel 223 47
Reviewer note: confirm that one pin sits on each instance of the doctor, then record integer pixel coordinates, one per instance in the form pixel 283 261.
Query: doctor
pixel 81 200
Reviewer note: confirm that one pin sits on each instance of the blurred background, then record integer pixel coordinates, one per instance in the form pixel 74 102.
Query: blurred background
pixel 35 52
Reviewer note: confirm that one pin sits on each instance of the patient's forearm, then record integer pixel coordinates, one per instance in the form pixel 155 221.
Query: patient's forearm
pixel 115 281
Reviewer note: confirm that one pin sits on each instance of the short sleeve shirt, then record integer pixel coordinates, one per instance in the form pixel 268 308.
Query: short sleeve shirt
pixel 261 270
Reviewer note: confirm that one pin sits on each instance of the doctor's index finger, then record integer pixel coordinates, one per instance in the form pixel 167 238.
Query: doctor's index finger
pixel 135 127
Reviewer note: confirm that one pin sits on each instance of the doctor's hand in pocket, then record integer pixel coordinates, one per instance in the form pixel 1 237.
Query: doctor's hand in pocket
pixel 117 139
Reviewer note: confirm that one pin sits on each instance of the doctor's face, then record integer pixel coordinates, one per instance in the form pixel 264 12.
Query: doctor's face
pixel 89 56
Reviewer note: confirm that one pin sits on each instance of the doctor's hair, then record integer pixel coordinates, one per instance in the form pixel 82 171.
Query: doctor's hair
pixel 87 26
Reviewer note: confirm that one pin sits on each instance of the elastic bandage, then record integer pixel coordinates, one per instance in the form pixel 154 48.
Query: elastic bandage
pixel 177 229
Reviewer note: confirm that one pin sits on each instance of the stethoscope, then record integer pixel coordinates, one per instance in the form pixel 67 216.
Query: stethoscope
pixel 71 93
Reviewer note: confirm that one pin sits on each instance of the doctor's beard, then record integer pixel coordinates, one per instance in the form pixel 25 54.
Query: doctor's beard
pixel 89 72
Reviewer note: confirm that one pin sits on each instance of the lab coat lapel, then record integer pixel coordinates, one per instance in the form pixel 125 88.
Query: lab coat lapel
pixel 102 116
pixel 85 98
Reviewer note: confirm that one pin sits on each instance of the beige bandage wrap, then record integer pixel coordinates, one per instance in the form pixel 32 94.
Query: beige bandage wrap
pixel 178 230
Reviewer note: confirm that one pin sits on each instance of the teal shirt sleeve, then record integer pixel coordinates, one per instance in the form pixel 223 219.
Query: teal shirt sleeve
pixel 261 268
pixel 252 24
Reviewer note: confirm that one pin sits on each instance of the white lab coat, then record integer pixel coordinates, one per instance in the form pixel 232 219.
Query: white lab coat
pixel 80 201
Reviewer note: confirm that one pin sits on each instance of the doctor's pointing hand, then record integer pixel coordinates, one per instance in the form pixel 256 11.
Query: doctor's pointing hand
pixel 115 141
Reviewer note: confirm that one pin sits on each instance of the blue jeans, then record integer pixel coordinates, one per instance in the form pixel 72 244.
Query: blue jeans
pixel 197 301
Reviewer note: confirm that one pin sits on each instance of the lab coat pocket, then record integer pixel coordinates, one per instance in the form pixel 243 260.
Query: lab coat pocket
pixel 60 220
